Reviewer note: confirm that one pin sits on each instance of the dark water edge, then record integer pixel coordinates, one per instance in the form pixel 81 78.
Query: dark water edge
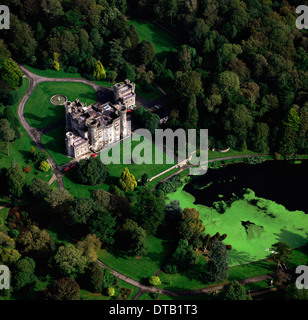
pixel 280 181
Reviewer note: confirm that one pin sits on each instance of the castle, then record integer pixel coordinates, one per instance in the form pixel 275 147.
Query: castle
pixel 90 129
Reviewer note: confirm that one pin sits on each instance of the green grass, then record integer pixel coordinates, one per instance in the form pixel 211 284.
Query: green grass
pixel 152 94
pixel 40 112
pixel 20 149
pixel 194 278
pixel 54 142
pixel 278 224
pixel 138 269
pixel 115 170
pixel 147 296
pixel 161 40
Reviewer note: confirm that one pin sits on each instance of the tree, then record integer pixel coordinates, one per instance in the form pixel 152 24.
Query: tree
pixel 149 211
pixel 187 84
pixel 229 83
pixel 10 73
pixel 24 273
pixel 146 52
pixel 108 278
pixel 238 121
pixel 7 134
pixel 132 238
pixel 16 180
pixel 99 71
pixel 81 211
pixel 148 120
pixel 59 201
pixel 102 197
pixel 103 224
pixel 8 253
pixel 184 256
pixel 191 226
pixel 281 253
pixel 95 277
pixel 89 247
pixel 36 243
pixel 92 171
pixel 44 166
pixel 260 137
pixel 70 261
pixel 233 291
pixel 292 293
pixel 63 289
pixel 218 264
pixel 154 281
pixel 21 40
pixel 127 181
pixel 39 189
pixel 111 292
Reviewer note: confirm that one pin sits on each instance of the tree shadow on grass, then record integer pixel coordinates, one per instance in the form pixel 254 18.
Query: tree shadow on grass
pixel 291 238
pixel 239 257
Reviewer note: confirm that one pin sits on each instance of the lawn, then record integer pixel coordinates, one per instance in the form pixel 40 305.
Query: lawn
pixel 161 40
pixel 20 149
pixel 40 112
pixel 120 156
pixel 152 94
pixel 268 223
pixel 54 142
pixel 49 73
pixel 138 269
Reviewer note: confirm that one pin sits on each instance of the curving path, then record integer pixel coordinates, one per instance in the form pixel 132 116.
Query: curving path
pixel 35 134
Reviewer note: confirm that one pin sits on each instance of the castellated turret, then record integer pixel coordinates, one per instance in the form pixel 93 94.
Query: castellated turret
pixel 69 143
pixel 125 93
pixel 92 133
pixel 123 121
pixel 68 110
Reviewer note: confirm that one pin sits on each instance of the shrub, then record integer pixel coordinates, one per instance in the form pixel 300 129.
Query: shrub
pixel 171 268
pixel 154 281
pixel 44 166
pixel 111 292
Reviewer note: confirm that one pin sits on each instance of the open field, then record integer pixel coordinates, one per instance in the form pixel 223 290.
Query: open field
pixel 115 170
pixel 20 149
pixel 161 40
pixel 152 94
pixel 138 269
pixel 265 223
pixel 54 142
pixel 40 112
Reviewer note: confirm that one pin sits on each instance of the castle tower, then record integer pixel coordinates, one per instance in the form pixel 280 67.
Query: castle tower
pixel 123 120
pixel 92 134
pixel 116 92
pixel 68 110
pixel 69 144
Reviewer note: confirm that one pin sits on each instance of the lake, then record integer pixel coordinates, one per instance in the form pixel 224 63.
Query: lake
pixel 280 181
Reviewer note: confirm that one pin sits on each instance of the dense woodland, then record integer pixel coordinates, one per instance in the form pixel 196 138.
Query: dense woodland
pixel 241 71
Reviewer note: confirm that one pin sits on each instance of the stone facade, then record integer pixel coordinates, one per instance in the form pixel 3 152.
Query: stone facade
pixel 90 129
pixel 125 93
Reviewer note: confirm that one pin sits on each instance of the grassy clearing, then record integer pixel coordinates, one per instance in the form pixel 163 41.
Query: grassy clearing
pixel 40 112
pixel 54 142
pixel 120 155
pixel 138 269
pixel 272 223
pixel 20 149
pixel 152 94
pixel 161 40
